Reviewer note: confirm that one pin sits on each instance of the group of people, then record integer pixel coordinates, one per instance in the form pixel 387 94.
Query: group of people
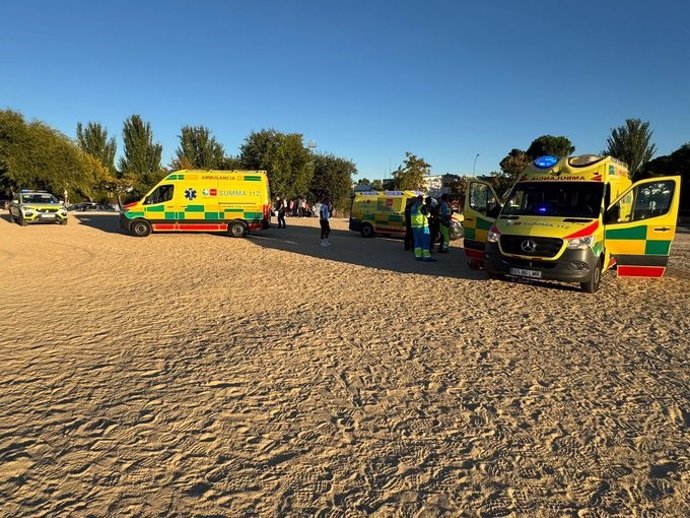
pixel 325 211
pixel 425 220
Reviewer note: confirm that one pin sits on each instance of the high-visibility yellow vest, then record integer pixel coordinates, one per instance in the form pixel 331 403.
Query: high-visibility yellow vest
pixel 417 219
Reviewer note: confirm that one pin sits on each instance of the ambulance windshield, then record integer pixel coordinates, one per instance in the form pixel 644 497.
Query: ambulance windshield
pixel 556 199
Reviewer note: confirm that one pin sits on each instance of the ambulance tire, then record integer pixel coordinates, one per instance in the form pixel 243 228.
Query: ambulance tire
pixel 22 222
pixel 237 229
pixel 62 221
pixel 367 230
pixel 140 228
pixel 592 285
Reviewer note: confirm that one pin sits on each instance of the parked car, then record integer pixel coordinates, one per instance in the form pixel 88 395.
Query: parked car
pixel 37 207
pixel 90 206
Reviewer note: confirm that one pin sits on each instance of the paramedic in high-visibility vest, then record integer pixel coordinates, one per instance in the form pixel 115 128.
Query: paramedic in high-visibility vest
pixel 420 230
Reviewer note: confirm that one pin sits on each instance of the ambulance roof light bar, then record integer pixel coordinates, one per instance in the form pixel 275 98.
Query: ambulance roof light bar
pixel 546 162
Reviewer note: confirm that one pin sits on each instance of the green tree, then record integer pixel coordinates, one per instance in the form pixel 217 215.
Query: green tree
pixel 93 139
pixel 559 147
pixel 511 166
pixel 631 143
pixel 457 188
pixel 377 185
pixel 142 158
pixel 284 157
pixel 333 180
pixel 410 175
pixel 231 163
pixel 198 149
pixel 35 156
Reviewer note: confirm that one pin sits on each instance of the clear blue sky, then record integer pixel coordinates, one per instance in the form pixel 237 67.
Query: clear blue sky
pixel 365 80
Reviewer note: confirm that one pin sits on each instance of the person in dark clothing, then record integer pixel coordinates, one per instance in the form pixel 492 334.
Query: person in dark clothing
pixel 281 213
pixel 432 211
pixel 444 219
pixel 324 216
pixel 408 224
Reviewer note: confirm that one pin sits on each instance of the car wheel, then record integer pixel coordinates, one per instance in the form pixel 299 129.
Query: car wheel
pixel 592 285
pixel 140 228
pixel 367 231
pixel 237 229
pixel 62 221
pixel 22 221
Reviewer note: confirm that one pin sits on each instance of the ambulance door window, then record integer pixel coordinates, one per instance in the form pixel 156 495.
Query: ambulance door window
pixel 480 196
pixel 652 199
pixel 162 194
pixel 648 200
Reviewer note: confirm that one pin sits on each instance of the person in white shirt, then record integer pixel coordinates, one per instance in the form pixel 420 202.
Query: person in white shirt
pixel 324 215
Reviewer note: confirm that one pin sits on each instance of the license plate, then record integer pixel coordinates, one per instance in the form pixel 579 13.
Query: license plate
pixel 47 216
pixel 532 274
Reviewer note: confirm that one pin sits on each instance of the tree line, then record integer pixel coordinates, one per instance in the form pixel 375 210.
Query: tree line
pixel 34 155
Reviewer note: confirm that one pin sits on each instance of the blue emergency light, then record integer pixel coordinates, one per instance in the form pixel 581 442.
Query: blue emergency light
pixel 546 162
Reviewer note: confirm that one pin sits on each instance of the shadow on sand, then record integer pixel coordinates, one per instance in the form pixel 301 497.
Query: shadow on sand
pixel 107 222
pixel 381 253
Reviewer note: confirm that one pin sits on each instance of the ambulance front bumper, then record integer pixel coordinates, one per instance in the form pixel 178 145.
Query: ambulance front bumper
pixel 572 266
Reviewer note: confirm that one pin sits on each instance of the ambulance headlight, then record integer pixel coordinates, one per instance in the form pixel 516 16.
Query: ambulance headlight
pixel 493 235
pixel 581 243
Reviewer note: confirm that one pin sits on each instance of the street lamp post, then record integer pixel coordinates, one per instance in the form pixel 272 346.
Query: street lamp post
pixel 474 164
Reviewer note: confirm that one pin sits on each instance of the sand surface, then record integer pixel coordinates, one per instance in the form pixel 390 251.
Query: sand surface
pixel 199 375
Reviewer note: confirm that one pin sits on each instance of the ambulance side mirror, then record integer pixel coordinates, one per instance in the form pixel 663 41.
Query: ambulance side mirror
pixel 612 214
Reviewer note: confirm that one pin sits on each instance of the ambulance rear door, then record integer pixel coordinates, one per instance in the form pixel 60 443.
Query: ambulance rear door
pixel 640 226
pixel 481 210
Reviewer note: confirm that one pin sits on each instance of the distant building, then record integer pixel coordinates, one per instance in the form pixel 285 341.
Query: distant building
pixel 436 185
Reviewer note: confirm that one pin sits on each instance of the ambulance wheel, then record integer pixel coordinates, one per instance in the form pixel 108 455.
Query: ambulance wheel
pixel 237 229
pixel 22 221
pixel 140 228
pixel 592 285
pixel 62 221
pixel 367 231
pixel 494 275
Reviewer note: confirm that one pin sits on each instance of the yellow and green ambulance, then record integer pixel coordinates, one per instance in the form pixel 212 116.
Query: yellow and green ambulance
pixel 572 219
pixel 379 212
pixel 235 202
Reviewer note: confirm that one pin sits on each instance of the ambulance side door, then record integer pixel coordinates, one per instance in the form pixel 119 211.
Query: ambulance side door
pixel 481 210
pixel 641 224
pixel 162 204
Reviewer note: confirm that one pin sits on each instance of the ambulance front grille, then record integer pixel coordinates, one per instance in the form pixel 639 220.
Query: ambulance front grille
pixel 545 246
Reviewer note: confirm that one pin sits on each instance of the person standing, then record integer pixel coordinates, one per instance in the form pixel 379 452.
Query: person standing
pixel 281 214
pixel 324 216
pixel 408 224
pixel 420 230
pixel 444 215
pixel 432 216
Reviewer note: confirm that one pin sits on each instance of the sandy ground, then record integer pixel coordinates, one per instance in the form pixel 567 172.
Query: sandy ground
pixel 199 375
